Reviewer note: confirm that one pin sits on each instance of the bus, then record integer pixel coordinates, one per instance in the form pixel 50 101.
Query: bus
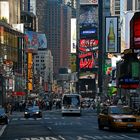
pixel 71 104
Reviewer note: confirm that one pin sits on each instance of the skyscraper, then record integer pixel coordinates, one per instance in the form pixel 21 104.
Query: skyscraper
pixel 54 20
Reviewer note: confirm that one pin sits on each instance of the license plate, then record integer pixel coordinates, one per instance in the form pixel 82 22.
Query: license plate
pixel 130 125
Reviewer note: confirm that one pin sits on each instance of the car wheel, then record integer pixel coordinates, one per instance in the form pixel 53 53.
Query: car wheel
pixel 110 127
pixel 101 127
pixel 138 129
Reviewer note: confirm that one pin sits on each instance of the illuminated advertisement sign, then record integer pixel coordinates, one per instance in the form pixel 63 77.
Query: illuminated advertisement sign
pixel 111 34
pixel 87 85
pixel 30 72
pixel 42 41
pixel 129 83
pixel 88 21
pixel 73 35
pixel 135 31
pixel 31 40
pixel 88 45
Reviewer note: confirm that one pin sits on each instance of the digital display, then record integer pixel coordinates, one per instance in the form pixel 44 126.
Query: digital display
pixel 135 31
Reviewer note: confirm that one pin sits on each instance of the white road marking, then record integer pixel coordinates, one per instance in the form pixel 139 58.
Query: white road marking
pixel 46 118
pixel 60 137
pixel 130 137
pixel 2 129
pixel 85 137
pixel 14 119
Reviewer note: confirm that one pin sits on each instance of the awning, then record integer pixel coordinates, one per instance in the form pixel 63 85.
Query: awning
pixel 18 93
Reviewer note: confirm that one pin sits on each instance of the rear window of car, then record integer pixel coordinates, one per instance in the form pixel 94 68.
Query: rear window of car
pixel 121 110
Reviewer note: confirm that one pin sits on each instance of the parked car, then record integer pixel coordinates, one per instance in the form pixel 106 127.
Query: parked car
pixel 33 111
pixel 3 116
pixel 118 117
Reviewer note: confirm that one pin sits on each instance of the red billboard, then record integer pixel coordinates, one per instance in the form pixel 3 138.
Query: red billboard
pixel 135 31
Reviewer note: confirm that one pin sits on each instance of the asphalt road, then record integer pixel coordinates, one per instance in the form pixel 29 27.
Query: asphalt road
pixel 55 127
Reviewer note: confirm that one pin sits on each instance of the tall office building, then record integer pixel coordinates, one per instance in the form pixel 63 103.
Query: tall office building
pixel 28 5
pixel 42 67
pixel 54 20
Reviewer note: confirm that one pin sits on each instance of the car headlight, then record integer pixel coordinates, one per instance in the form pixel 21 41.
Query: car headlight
pixel 26 112
pixel 37 112
pixel 137 120
pixel 117 120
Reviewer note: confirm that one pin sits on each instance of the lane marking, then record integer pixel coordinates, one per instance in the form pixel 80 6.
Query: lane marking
pixel 60 137
pixel 125 136
pixel 2 130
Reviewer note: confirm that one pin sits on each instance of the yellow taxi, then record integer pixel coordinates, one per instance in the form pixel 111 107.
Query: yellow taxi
pixel 118 117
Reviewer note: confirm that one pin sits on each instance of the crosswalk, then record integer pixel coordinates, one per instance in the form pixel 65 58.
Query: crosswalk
pixel 25 119
pixel 21 118
pixel 84 137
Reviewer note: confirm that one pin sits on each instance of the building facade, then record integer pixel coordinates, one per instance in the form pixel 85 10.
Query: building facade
pixel 10 9
pixel 54 21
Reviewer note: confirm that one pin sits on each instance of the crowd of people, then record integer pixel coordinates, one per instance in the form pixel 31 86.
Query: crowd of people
pixel 21 105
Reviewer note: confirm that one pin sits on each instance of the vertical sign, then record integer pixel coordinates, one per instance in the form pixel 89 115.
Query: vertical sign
pixel 88 44
pixel 30 63
pixel 111 34
pixel 73 35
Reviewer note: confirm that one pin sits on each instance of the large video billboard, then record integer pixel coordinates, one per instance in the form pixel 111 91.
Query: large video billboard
pixel 31 40
pixel 88 43
pixel 111 34
pixel 88 22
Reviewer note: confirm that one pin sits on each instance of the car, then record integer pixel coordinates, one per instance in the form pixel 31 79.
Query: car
pixel 118 117
pixel 33 111
pixel 3 116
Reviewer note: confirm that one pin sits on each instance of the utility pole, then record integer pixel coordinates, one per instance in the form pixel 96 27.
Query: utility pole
pixel 77 46
pixel 100 58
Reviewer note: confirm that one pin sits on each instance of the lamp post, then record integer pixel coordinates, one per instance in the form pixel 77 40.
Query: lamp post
pixel 138 57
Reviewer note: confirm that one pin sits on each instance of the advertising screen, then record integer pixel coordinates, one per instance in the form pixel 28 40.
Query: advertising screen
pixel 73 35
pixel 87 85
pixel 88 21
pixel 88 43
pixel 30 72
pixel 111 34
pixel 135 31
pixel 31 40
pixel 42 41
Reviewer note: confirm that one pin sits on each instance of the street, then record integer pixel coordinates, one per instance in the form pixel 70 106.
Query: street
pixel 55 127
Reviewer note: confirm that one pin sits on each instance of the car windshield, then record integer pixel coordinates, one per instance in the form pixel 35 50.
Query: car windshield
pixel 121 110
pixel 36 108
pixel 71 100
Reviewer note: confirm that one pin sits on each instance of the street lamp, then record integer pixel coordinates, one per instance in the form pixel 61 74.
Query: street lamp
pixel 138 56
